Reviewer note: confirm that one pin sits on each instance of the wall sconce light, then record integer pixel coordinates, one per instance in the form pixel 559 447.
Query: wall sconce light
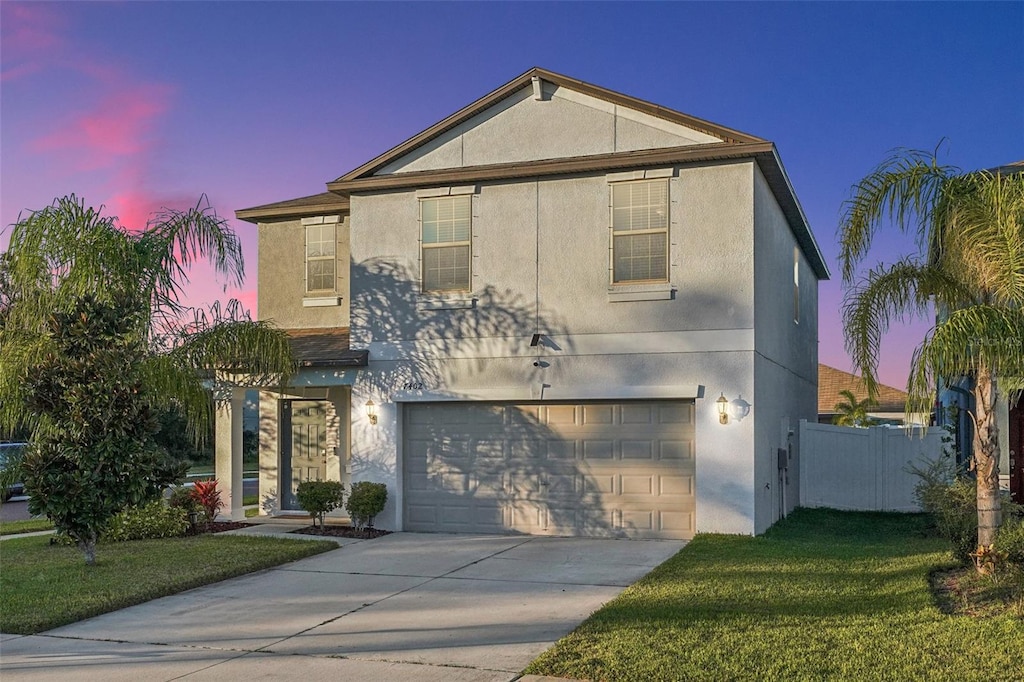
pixel 371 412
pixel 740 408
pixel 723 409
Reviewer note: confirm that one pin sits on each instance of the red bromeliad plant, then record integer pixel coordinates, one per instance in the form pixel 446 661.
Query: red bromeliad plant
pixel 206 494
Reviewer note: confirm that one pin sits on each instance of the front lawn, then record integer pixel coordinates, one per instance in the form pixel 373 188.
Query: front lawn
pixel 24 526
pixel 43 586
pixel 822 595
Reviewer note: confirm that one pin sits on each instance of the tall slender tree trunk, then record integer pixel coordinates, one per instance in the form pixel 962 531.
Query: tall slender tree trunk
pixel 986 457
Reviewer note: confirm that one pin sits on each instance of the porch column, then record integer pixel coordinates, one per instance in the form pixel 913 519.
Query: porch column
pixel 228 435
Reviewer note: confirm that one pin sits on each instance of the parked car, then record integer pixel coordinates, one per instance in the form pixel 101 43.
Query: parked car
pixel 10 477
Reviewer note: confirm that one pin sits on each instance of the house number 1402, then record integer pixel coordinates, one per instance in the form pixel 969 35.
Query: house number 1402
pixel 413 386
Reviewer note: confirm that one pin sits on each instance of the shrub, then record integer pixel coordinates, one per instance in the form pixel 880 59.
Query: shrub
pixel 952 502
pixel 152 520
pixel 183 497
pixel 366 501
pixel 319 498
pixel 208 497
pixel 1010 539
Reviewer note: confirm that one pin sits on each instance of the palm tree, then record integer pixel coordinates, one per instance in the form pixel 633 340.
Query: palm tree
pixel 66 259
pixel 853 412
pixel 66 251
pixel 969 229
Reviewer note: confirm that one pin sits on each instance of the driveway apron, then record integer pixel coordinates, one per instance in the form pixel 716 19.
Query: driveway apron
pixel 405 606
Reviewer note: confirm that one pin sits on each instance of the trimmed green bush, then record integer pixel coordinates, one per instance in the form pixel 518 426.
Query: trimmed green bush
pixel 366 501
pixel 148 522
pixel 320 497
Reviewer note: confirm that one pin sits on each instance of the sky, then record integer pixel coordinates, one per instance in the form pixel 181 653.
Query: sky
pixel 140 105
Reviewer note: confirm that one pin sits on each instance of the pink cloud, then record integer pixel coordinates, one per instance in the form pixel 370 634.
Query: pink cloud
pixel 30 34
pixel 247 297
pixel 30 28
pixel 121 126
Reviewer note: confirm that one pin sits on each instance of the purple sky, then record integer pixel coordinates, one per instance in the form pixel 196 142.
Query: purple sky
pixel 142 105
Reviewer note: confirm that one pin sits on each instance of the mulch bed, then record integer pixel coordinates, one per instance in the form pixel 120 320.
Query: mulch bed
pixel 332 531
pixel 343 532
pixel 219 526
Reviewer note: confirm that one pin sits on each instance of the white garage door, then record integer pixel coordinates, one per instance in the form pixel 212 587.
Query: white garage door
pixel 585 469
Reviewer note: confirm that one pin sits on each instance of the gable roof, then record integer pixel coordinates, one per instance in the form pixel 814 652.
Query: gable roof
pixel 831 381
pixel 735 146
pixel 508 89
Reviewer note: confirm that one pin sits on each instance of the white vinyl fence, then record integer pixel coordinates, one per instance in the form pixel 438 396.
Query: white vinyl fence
pixel 863 469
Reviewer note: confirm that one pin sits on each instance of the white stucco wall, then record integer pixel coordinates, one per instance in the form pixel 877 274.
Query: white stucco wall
pixel 786 362
pixel 564 123
pixel 540 264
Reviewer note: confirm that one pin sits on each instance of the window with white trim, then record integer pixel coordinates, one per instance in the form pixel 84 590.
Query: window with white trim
pixel 321 261
pixel 446 243
pixel 640 231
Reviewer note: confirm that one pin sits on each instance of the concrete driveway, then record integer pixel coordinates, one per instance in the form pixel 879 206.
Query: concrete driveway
pixel 406 606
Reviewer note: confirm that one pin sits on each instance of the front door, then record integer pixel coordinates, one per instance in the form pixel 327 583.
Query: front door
pixel 1017 451
pixel 304 446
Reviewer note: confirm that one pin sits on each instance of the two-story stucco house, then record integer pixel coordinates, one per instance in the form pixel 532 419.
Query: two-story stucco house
pixel 561 310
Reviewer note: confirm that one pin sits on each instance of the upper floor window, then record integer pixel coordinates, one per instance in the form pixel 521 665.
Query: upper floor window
pixel 446 224
pixel 321 262
pixel 640 231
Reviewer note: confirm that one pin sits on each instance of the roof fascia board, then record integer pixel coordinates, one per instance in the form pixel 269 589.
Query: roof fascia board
pixel 576 164
pixel 775 173
pixel 255 215
pixel 524 80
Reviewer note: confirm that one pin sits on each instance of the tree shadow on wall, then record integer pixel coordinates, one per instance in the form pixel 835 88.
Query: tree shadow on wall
pixel 469 467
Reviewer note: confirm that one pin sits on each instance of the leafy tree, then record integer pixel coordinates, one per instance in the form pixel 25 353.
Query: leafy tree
pixel 100 455
pixel 89 307
pixel 853 412
pixel 969 263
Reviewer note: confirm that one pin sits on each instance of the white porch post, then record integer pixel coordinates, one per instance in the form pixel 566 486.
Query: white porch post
pixel 228 435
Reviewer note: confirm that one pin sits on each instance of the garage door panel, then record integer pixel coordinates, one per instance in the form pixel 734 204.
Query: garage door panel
pixel 677 413
pixel 602 484
pixel 559 449
pixel 598 449
pixel 598 414
pixel 638 520
pixel 675 485
pixel 637 485
pixel 560 415
pixel 675 450
pixel 638 414
pixel 592 469
pixel 638 449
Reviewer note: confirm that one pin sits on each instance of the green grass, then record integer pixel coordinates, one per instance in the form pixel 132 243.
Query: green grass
pixel 24 526
pixel 43 586
pixel 824 595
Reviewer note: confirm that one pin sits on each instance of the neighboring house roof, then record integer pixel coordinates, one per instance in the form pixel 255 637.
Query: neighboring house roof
pixel 317 204
pixel 1015 167
pixel 325 347
pixel 831 381
pixel 734 145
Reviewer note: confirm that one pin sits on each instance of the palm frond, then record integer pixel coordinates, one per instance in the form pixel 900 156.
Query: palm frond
pixel 175 240
pixel 905 188
pixel 980 336
pixel 899 292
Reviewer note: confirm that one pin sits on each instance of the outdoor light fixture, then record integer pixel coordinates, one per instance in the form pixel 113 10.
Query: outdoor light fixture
pixel 740 408
pixel 371 412
pixel 723 409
